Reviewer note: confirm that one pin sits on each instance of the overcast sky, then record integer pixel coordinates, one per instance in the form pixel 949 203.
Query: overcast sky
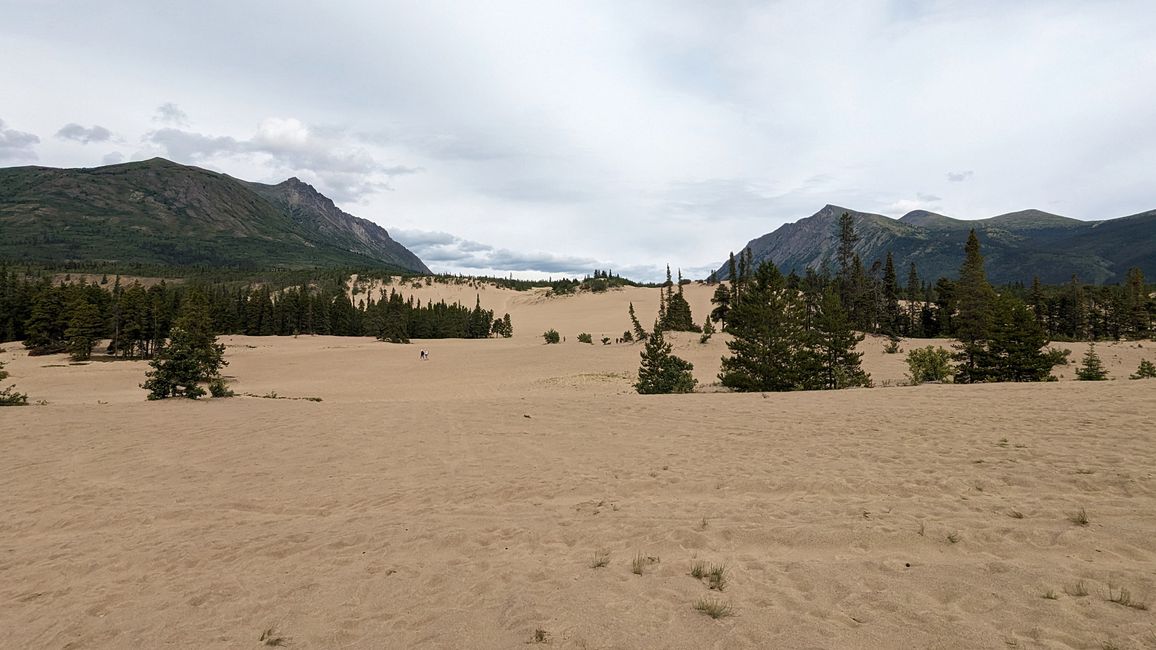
pixel 555 136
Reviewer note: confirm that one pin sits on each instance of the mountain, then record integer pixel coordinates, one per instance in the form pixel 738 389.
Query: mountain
pixel 158 212
pixel 1016 246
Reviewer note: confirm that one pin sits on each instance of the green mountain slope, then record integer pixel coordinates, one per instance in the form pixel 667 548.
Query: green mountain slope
pixel 1016 246
pixel 157 212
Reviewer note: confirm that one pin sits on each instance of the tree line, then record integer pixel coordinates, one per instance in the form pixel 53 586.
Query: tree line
pixel 136 320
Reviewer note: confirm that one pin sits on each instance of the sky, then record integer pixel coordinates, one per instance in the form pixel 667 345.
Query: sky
pixel 554 138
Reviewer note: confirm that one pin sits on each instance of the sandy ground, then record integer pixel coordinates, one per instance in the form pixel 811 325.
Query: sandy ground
pixel 460 502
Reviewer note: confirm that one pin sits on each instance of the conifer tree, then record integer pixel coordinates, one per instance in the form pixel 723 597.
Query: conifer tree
pixel 639 333
pixel 914 300
pixel 722 302
pixel 845 254
pixel 830 359
pixel 1147 370
pixel 1092 369
pixel 891 319
pixel 766 336
pixel 1014 349
pixel 661 371
pixel 191 357
pixel 707 331
pixel 973 322
pixel 85 326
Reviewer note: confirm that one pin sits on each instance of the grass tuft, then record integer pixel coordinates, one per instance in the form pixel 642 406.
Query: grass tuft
pixel 638 563
pixel 953 537
pixel 716 577
pixel 1079 590
pixel 713 608
pixel 1015 514
pixel 1080 517
pixel 540 636
pixel 698 570
pixel 271 638
pixel 601 559
pixel 1123 597
pixel 1051 595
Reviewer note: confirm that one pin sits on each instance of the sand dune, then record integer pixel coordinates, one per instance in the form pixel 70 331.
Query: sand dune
pixel 460 502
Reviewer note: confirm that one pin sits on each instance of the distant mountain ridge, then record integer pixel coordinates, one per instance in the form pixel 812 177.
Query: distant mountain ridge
pixel 1016 246
pixel 157 212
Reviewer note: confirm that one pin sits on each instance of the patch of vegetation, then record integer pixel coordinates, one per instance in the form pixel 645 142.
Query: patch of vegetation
pixel 1079 589
pixel 714 608
pixel 1050 594
pixel 929 364
pixel 1147 370
pixel 584 337
pixel 1123 597
pixel 9 396
pixel 540 636
pixel 601 559
pixel 1079 517
pixel 271 638
pixel 551 336
pixel 953 537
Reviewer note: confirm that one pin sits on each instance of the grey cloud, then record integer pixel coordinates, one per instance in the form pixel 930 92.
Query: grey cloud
pixel 113 158
pixel 16 145
pixel 959 177
pixel 83 135
pixel 170 113
pixel 185 146
pixel 928 198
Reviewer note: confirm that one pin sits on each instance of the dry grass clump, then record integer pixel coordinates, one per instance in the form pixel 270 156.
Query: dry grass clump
pixel 1079 518
pixel 640 562
pixel 601 559
pixel 1079 589
pixel 1123 597
pixel 540 636
pixel 271 638
pixel 714 608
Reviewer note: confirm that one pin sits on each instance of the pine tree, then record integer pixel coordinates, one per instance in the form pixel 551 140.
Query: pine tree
pixel 1014 350
pixel 766 332
pixel 890 298
pixel 661 371
pixel 707 331
pixel 845 254
pixel 722 302
pixel 85 326
pixel 191 357
pixel 1092 369
pixel 676 315
pixel 914 308
pixel 973 323
pixel 639 333
pixel 830 356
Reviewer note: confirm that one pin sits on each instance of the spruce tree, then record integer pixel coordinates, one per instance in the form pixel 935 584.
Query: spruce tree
pixel 639 333
pixel 191 357
pixel 722 302
pixel 1092 369
pixel 707 331
pixel 846 251
pixel 975 300
pixel 830 359
pixel 1015 346
pixel 1147 370
pixel 766 332
pixel 661 371
pixel 890 324
pixel 85 326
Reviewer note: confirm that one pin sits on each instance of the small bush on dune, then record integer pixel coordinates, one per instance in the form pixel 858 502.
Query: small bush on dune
pixel 1147 370
pixel 585 337
pixel 9 396
pixel 931 363
pixel 1092 369
pixel 551 336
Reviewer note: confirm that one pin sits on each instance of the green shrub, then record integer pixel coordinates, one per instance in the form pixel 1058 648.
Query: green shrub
pixel 551 336
pixel 931 363
pixel 1147 370
pixel 9 396
pixel 585 337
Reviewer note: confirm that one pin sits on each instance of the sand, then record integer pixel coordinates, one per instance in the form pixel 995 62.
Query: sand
pixel 460 502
